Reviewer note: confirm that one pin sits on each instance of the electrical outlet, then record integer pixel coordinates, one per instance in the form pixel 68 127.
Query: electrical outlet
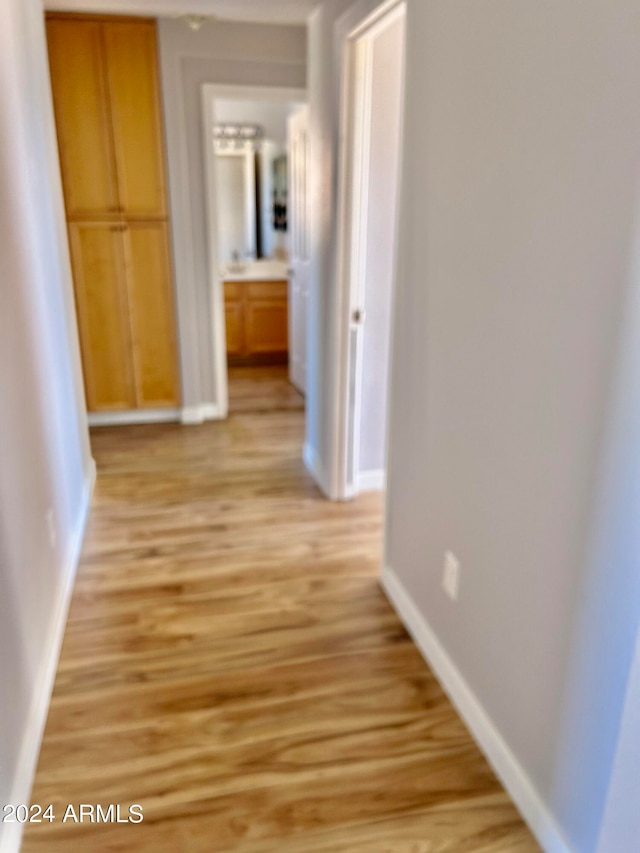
pixel 451 575
pixel 51 526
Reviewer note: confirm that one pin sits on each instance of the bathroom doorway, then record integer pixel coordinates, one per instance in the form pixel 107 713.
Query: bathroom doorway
pixel 249 227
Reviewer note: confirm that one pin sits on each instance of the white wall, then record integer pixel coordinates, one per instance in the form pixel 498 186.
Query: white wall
pixel 45 461
pixel 621 825
pixel 516 378
pixel 227 54
pixel 387 66
pixel 272 115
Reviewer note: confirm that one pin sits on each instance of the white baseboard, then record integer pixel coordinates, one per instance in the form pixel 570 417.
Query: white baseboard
pixel 11 833
pixel 133 416
pixel 533 809
pixel 314 467
pixel 188 416
pixel 193 415
pixel 371 481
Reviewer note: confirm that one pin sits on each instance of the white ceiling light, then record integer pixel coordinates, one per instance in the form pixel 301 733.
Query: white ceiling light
pixel 194 22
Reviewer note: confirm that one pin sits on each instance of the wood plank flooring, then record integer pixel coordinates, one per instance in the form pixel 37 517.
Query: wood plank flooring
pixel 231 664
pixel 262 389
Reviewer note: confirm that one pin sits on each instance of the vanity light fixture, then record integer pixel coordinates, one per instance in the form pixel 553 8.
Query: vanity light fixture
pixel 238 136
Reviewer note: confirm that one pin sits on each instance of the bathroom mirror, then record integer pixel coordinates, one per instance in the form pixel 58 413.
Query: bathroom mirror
pixel 252 201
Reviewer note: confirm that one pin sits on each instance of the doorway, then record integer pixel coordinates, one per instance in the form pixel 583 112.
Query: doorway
pixel 372 116
pixel 250 227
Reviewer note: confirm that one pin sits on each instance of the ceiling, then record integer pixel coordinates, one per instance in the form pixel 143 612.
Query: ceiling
pixel 262 11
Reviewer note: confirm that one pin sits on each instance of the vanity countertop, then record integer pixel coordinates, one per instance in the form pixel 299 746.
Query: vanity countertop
pixel 266 270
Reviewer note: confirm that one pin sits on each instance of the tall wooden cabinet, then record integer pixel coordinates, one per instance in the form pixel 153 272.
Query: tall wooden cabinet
pixel 106 100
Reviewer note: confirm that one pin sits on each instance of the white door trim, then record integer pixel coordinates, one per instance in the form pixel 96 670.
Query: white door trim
pixel 371 481
pixel 299 246
pixel 355 32
pixel 209 93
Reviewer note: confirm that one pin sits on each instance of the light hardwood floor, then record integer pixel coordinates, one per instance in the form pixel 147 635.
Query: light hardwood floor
pixel 231 664
pixel 262 389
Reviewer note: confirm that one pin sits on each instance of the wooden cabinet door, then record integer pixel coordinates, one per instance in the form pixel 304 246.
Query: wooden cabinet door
pixel 82 118
pixel 266 318
pixel 102 309
pixel 234 317
pixel 132 70
pixel 152 313
pixel 233 322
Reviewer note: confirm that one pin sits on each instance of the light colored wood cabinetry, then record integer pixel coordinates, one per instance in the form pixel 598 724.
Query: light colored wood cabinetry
pixel 131 65
pixel 151 312
pixel 257 321
pixel 266 320
pixel 101 302
pixel 106 100
pixel 80 99
pixel 125 314
pixel 234 318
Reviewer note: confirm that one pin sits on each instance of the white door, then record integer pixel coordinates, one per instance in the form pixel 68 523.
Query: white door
pixel 299 265
pixel 369 179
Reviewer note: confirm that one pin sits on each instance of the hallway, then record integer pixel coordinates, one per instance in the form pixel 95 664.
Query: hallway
pixel 231 664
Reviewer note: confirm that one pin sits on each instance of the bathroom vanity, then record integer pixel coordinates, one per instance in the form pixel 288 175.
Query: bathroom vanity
pixel 256 312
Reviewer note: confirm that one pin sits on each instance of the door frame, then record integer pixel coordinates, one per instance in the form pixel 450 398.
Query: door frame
pixel 209 93
pixel 293 272
pixel 354 37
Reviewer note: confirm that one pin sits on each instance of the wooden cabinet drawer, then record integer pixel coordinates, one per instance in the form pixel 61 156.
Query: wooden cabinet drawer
pixel 266 289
